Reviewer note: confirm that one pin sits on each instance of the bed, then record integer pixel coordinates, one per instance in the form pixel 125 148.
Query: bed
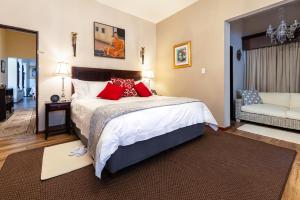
pixel 136 136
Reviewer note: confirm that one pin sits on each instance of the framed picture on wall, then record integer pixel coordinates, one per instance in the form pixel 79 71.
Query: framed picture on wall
pixel 32 72
pixel 3 66
pixel 109 41
pixel 182 55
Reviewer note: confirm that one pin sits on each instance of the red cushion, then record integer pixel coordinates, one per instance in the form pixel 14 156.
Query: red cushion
pixel 111 92
pixel 128 84
pixel 142 90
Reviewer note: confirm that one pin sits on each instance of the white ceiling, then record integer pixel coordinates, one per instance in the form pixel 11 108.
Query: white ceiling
pixel 151 10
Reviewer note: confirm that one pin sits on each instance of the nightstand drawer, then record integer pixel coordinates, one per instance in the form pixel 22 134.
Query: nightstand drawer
pixel 58 106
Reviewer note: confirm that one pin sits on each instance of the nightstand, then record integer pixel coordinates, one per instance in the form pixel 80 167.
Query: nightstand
pixel 63 106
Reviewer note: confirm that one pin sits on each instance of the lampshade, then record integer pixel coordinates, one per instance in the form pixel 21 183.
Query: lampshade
pixel 148 74
pixel 62 69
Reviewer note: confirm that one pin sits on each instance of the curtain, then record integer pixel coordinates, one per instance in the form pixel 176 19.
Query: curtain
pixel 274 69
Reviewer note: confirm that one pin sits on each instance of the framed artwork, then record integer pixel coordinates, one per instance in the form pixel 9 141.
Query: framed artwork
pixel 33 72
pixel 109 41
pixel 182 55
pixel 3 66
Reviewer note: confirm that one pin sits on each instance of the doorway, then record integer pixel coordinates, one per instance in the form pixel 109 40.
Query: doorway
pixel 248 33
pixel 18 81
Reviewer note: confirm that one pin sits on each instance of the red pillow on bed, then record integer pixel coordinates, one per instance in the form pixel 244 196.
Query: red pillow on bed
pixel 128 84
pixel 142 90
pixel 111 92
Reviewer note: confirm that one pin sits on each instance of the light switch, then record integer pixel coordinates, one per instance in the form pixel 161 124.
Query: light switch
pixel 203 70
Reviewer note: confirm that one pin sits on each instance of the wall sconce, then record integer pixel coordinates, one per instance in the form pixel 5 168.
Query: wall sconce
pixel 74 42
pixel 239 55
pixel 142 54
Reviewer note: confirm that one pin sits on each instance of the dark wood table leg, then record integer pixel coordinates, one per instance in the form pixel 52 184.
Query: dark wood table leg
pixel 68 120
pixel 46 124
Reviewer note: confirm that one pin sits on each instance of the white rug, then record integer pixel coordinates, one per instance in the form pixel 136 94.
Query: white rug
pixel 288 136
pixel 56 160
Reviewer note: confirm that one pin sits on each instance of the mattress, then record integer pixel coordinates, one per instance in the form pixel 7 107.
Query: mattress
pixel 136 126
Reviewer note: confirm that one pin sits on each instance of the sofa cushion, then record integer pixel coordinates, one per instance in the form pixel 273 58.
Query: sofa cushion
pixel 295 100
pixel 266 109
pixel 250 97
pixel 280 99
pixel 293 113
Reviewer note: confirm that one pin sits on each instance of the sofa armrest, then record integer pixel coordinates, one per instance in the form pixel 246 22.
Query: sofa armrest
pixel 238 106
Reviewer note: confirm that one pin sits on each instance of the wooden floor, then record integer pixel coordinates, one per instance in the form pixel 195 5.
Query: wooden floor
pixel 25 103
pixel 10 145
pixel 22 143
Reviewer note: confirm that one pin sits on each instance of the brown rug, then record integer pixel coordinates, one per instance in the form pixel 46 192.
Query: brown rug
pixel 222 166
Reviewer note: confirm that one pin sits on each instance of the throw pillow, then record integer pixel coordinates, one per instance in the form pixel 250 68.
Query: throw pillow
pixel 128 84
pixel 250 97
pixel 111 92
pixel 142 90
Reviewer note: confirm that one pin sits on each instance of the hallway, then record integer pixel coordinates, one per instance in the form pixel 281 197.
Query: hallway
pixel 23 121
pixel 25 104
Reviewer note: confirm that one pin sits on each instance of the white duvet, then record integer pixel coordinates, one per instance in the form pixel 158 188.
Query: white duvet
pixel 137 126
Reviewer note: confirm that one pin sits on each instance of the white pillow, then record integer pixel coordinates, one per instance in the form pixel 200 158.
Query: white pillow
pixel 279 99
pixel 80 88
pixel 87 89
pixel 295 100
pixel 74 96
pixel 95 87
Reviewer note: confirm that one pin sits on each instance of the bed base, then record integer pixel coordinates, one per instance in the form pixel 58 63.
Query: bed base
pixel 126 156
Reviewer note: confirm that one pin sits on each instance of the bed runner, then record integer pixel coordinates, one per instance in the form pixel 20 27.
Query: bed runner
pixel 104 114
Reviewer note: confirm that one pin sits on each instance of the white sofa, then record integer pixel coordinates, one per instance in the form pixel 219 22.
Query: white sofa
pixel 277 109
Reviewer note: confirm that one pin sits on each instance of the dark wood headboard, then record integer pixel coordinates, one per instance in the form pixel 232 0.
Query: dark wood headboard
pixel 98 74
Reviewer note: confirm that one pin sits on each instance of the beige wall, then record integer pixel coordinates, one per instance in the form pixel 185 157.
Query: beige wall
pixel 20 44
pixel 15 44
pixel 204 24
pixel 56 19
pixel 2 54
pixel 2 43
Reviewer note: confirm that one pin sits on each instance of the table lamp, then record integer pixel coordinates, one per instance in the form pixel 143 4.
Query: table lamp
pixel 62 70
pixel 148 75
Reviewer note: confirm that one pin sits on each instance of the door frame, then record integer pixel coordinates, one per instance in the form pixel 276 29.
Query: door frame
pixel 37 66
pixel 232 105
